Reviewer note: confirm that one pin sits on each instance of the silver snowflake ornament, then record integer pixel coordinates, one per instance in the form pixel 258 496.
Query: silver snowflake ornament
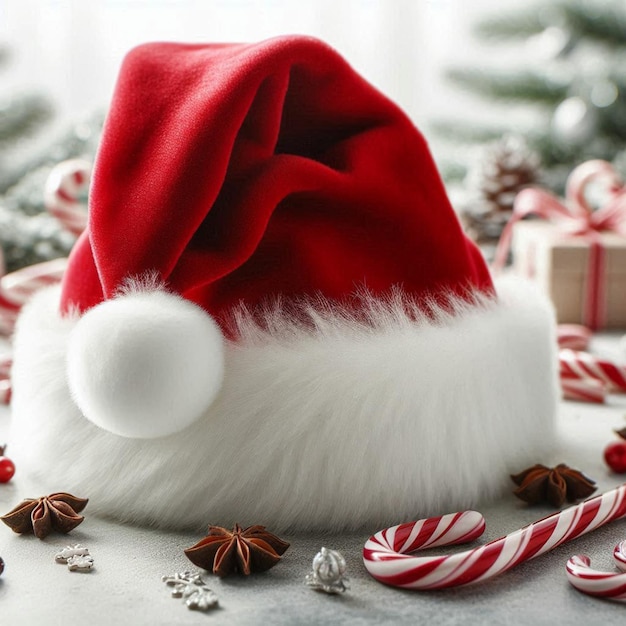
pixel 64 555
pixel 199 598
pixel 180 581
pixel 80 563
pixel 328 574
pixel 191 588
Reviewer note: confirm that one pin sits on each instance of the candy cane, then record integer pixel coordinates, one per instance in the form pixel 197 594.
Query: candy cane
pixel 386 559
pixel 5 378
pixel 16 289
pixel 573 336
pixel 63 188
pixel 619 555
pixel 585 366
pixel 8 313
pixel 67 182
pixel 583 390
pixel 580 389
pixel 596 583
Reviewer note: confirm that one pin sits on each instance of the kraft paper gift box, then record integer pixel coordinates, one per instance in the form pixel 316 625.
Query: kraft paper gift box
pixel 563 265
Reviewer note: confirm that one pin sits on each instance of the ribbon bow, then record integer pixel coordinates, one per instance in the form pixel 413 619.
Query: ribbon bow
pixel 577 219
pixel 575 216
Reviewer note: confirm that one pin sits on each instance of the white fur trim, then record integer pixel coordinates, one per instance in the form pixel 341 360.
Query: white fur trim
pixel 176 347
pixel 335 425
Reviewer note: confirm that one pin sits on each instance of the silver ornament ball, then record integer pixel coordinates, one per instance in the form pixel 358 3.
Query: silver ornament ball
pixel 574 121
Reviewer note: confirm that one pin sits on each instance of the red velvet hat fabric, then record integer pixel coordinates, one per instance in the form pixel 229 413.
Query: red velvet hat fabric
pixel 243 172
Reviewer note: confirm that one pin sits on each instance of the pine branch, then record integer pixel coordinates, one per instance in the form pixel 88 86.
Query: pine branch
pixel 586 23
pixel 27 240
pixel 452 171
pixel 21 116
pixel 463 132
pixel 517 25
pixel 526 86
pixel 607 25
pixel 71 143
pixel 612 121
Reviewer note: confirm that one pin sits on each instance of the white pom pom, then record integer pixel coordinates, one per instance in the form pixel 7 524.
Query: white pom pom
pixel 145 364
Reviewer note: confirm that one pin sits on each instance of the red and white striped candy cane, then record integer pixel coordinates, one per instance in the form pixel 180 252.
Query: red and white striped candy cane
pixel 583 390
pixel 5 378
pixel 586 366
pixel 9 311
pixel 16 288
pixel 67 183
pixel 386 557
pixel 619 555
pixel 573 336
pixel 596 583
pixel 577 337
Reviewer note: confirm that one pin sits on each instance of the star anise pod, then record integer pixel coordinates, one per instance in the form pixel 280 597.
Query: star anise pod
pixel 58 511
pixel 553 485
pixel 224 552
pixel 621 433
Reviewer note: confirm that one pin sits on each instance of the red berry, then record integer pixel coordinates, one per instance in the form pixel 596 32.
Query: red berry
pixel 7 469
pixel 615 456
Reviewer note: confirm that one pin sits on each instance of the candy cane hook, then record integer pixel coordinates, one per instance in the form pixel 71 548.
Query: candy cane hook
pixel 386 559
pixel 67 182
pixel 596 583
pixel 19 286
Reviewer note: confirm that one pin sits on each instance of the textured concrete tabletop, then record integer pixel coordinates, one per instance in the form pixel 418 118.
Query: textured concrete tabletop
pixel 126 587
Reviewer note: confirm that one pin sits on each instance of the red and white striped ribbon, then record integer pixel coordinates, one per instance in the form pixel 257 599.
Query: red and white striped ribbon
pixel 386 557
pixel 596 583
pixel 67 184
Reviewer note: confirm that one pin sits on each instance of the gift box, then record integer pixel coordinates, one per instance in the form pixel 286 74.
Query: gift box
pixel 575 251
pixel 584 275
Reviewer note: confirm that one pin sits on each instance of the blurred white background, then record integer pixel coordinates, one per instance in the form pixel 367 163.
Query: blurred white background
pixel 71 49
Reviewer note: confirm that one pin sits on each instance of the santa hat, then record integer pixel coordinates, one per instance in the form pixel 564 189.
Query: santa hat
pixel 274 316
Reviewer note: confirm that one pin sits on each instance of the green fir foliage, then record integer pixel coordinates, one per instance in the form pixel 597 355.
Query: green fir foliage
pixel 602 21
pixel 500 85
pixel 592 52
pixel 21 116
pixel 28 151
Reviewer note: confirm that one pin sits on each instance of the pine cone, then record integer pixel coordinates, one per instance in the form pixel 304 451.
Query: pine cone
pixel 505 167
